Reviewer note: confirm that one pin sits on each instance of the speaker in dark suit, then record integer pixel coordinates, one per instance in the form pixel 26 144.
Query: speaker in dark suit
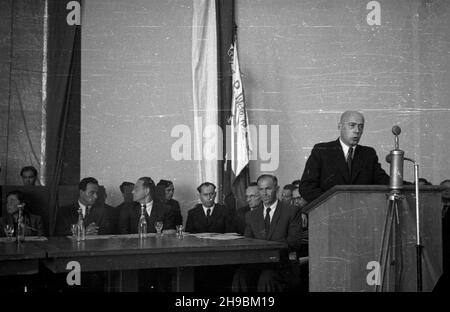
pixel 342 161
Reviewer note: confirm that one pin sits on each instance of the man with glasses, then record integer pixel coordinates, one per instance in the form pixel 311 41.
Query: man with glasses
pixel 342 161
pixel 253 200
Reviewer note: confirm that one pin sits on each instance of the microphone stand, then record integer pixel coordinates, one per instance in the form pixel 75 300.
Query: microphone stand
pixel 395 158
pixel 419 246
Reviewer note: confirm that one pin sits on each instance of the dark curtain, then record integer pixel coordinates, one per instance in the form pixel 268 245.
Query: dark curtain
pixel 231 189
pixel 63 89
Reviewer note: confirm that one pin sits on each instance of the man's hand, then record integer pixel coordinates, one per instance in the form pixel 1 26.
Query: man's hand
pixel 92 229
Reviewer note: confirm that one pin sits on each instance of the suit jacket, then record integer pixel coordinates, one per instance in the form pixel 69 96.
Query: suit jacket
pixel 131 213
pixel 285 225
pixel 239 219
pixel 327 167
pixel 221 220
pixel 68 215
pixel 176 211
pixel 33 224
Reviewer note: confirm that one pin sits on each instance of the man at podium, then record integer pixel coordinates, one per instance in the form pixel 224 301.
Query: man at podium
pixel 342 161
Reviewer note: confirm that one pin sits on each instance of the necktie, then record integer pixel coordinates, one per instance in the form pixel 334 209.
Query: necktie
pixel 267 221
pixel 88 210
pixel 208 214
pixel 349 160
pixel 144 207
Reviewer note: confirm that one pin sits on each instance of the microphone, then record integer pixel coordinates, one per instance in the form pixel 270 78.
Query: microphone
pixel 396 130
pixel 395 159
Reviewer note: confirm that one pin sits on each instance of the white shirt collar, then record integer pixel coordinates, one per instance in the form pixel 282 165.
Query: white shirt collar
pixel 205 209
pixel 83 208
pixel 345 148
pixel 148 207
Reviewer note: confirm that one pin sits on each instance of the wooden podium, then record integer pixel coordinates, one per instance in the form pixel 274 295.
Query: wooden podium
pixel 346 226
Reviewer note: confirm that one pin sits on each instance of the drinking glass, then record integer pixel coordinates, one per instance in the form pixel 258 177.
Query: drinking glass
pixel 180 231
pixel 159 227
pixel 9 231
pixel 74 229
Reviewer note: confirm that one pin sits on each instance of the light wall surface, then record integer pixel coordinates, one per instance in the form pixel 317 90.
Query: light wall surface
pixel 136 86
pixel 305 62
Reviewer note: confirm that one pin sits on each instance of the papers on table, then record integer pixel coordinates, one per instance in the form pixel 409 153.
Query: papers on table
pixel 92 237
pixel 217 236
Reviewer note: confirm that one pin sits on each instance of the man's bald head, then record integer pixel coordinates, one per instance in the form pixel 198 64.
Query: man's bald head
pixel 351 126
pixel 347 115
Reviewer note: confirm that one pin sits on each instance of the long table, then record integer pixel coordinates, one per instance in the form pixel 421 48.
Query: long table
pixel 128 253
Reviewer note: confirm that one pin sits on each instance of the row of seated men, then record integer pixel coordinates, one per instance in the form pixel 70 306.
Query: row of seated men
pixel 266 217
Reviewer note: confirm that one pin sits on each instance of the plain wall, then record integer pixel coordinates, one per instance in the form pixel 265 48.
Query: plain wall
pixel 136 86
pixel 21 84
pixel 305 62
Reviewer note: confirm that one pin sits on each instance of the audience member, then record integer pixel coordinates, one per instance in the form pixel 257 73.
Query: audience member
pixel 253 200
pixel 29 175
pixel 143 196
pixel 15 201
pixel 209 217
pixel 169 190
pixel 276 221
pixel 126 188
pixel 286 194
pixel 95 217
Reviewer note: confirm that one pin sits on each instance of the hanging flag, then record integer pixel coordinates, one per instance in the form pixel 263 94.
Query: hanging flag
pixel 240 137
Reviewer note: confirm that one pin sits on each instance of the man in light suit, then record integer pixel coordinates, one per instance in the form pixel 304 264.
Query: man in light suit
pixel 273 220
pixel 342 161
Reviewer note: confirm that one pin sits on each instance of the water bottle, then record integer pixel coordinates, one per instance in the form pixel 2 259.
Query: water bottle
pixel 20 228
pixel 142 227
pixel 81 232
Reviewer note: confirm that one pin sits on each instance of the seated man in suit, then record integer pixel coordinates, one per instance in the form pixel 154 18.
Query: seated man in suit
pixel 96 221
pixel 342 161
pixel 287 193
pixel 154 210
pixel 95 217
pixel 126 188
pixel 253 200
pixel 273 220
pixel 209 217
pixel 143 195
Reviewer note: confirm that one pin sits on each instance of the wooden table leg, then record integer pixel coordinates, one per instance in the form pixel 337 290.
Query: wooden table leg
pixel 183 279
